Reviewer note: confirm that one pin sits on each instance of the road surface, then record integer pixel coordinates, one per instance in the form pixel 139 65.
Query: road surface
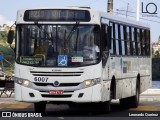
pixel 149 103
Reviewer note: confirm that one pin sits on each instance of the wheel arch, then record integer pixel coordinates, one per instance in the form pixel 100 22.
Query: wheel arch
pixel 113 87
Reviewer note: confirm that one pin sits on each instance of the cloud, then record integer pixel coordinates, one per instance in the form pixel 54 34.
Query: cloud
pixel 3 20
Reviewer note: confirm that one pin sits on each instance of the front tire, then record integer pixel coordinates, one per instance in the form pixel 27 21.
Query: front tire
pixel 40 107
pixel 106 106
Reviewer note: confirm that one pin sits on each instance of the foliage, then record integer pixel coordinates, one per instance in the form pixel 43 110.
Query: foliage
pixel 7 53
pixel 3 35
pixel 8 58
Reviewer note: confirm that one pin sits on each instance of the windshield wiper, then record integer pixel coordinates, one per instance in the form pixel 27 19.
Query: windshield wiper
pixel 40 27
pixel 71 33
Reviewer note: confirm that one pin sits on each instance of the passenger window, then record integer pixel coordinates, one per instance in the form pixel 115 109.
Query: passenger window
pixel 128 41
pixel 133 42
pixel 116 39
pixel 119 40
pixel 111 50
pixel 139 42
pixel 148 43
pixel 142 38
pixel 125 40
pixel 136 42
pixel 122 39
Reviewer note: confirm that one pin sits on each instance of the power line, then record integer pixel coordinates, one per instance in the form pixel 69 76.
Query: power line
pixel 133 6
pixel 92 2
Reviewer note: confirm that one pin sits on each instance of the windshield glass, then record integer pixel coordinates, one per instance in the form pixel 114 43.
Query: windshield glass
pixel 58 45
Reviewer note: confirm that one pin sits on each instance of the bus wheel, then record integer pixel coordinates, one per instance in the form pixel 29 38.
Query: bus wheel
pixel 131 101
pixel 134 100
pixel 124 102
pixel 105 107
pixel 40 107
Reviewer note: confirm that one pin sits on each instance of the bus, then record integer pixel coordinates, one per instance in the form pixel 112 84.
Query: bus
pixel 78 55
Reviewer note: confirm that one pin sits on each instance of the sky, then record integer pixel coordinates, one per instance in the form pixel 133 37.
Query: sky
pixel 8 10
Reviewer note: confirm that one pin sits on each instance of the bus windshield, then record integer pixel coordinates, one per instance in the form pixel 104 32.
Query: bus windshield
pixel 58 45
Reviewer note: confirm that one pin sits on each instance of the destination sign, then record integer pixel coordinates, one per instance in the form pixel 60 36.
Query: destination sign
pixel 57 15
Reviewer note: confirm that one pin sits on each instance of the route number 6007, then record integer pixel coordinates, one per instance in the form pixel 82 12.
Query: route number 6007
pixel 40 79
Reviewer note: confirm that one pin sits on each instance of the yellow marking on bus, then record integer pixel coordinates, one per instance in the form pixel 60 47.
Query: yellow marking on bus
pixel 144 108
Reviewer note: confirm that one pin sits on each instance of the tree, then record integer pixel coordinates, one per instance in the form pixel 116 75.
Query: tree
pixel 157 54
pixel 3 35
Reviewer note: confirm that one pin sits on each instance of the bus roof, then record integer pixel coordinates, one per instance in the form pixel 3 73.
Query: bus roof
pixel 123 20
pixel 99 14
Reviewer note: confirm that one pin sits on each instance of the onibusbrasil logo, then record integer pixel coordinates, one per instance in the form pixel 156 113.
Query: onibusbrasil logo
pixel 15 114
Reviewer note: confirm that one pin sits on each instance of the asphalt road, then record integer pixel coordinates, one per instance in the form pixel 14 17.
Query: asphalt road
pixel 149 105
pixel 64 110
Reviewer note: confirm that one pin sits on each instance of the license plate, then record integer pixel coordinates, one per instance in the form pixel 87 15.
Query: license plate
pixel 56 92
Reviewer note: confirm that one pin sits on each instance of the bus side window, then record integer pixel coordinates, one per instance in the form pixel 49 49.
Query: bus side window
pixel 104 37
pixel 142 41
pixel 145 42
pixel 138 42
pixel 111 40
pixel 133 41
pixel 119 40
pixel 148 43
pixel 125 39
pixel 122 39
pixel 128 41
pixel 116 39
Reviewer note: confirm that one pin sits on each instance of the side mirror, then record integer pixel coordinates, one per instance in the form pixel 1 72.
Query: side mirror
pixel 10 37
pixel 104 58
pixel 109 36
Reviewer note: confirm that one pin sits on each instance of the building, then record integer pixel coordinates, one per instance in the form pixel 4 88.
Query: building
pixel 156 47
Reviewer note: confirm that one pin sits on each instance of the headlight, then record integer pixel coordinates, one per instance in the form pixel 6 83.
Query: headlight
pixel 92 82
pixel 22 82
pixel 26 83
pixel 88 83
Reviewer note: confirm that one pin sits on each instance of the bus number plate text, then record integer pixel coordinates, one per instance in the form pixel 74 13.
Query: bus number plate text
pixel 40 79
pixel 56 92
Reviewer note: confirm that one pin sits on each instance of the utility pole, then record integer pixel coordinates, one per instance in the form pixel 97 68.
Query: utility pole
pixel 110 6
pixel 127 10
pixel 138 10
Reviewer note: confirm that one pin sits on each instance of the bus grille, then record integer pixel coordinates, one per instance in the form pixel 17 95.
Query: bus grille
pixel 56 96
pixel 44 91
pixel 61 84
pixel 35 73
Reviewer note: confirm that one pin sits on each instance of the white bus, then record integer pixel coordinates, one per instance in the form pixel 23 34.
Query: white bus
pixel 79 55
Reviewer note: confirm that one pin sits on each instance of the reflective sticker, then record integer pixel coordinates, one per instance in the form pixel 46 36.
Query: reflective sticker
pixel 113 65
pixel 77 59
pixel 62 60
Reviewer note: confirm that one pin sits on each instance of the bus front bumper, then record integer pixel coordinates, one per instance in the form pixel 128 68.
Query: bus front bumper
pixel 86 95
